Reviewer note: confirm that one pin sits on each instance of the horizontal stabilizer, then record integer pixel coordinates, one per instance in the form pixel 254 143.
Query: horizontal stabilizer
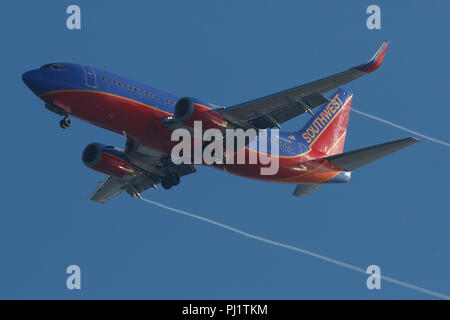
pixel 302 190
pixel 352 160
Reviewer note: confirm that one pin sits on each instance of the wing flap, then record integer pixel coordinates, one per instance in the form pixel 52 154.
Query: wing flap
pixel 291 111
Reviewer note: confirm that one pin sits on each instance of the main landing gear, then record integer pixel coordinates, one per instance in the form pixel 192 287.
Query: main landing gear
pixel 65 122
pixel 171 180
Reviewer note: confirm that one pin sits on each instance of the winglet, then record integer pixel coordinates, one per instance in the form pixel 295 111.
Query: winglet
pixel 375 62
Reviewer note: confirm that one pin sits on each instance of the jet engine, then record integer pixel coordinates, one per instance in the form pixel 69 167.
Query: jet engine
pixel 107 159
pixel 187 110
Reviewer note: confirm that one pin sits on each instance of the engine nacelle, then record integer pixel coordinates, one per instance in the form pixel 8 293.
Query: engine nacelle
pixel 107 159
pixel 187 110
pixel 184 109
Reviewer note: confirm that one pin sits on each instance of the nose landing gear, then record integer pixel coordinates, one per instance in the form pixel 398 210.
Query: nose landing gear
pixel 65 123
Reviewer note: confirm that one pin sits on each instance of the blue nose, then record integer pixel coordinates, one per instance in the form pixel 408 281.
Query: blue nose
pixel 34 80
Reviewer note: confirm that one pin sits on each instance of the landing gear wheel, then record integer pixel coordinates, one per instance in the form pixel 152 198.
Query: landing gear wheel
pixel 165 183
pixel 174 179
pixel 65 123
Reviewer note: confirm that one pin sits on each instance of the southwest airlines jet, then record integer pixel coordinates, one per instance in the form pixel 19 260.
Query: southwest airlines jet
pixel 308 158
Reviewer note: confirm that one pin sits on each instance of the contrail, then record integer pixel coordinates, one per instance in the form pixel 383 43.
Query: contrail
pixel 304 251
pixel 402 128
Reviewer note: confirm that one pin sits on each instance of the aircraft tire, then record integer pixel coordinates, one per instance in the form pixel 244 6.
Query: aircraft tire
pixel 165 183
pixel 174 179
pixel 65 123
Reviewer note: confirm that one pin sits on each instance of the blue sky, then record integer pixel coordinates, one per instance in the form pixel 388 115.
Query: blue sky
pixel 393 213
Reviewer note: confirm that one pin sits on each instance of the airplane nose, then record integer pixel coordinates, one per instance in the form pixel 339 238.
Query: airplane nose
pixel 34 80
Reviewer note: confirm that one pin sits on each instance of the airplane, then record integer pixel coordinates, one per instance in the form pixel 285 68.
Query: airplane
pixel 309 158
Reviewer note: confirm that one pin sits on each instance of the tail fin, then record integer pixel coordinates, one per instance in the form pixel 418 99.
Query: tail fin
pixel 326 130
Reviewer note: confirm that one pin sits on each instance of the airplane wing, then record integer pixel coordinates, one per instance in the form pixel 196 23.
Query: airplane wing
pixel 107 190
pixel 113 186
pixel 134 184
pixel 272 110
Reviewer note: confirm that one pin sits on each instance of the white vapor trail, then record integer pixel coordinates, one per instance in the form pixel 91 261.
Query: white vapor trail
pixel 304 251
pixel 402 128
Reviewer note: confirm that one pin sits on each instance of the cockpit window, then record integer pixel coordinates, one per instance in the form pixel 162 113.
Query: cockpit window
pixel 57 67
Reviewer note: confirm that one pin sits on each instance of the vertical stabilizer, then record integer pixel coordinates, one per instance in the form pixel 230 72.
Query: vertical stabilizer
pixel 326 130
